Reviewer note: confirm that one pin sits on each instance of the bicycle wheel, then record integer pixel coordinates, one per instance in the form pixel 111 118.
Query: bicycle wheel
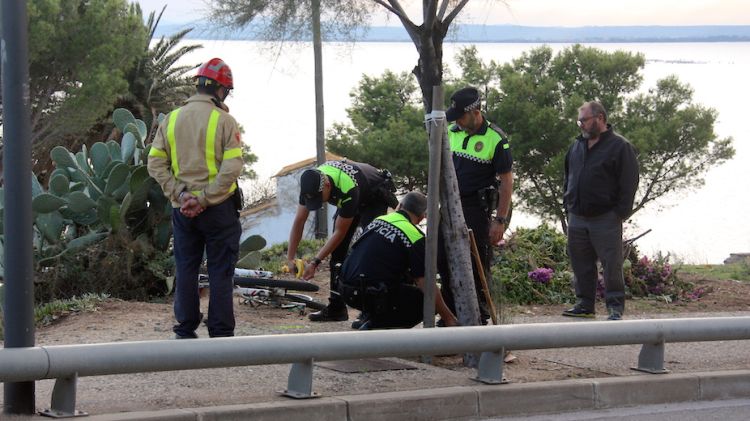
pixel 306 300
pixel 250 282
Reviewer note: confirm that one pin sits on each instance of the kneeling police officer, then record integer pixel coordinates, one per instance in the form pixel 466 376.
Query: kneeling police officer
pixel 383 275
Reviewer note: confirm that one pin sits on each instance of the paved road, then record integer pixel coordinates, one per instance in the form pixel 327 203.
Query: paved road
pixel 730 410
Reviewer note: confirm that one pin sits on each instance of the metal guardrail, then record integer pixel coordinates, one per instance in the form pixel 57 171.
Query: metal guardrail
pixel 67 362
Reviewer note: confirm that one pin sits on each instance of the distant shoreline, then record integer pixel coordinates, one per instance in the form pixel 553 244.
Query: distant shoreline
pixel 504 34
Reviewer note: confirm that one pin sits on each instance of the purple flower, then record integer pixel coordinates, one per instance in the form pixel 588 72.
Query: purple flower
pixel 541 275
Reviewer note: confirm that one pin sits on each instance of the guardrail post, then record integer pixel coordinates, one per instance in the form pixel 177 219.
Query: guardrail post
pixel 64 399
pixel 490 370
pixel 300 381
pixel 651 359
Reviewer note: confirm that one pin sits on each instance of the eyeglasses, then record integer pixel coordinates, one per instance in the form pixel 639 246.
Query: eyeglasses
pixel 582 121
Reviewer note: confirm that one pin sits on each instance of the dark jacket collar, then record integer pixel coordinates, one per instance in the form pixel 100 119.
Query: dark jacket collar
pixel 603 136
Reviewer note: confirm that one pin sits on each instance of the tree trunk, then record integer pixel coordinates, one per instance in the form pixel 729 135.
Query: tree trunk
pixel 320 146
pixel 429 69
pixel 457 248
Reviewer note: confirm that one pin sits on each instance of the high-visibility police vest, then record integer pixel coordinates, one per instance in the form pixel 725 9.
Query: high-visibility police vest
pixel 479 148
pixel 342 175
pixel 404 229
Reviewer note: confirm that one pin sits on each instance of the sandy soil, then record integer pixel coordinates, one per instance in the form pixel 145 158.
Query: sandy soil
pixel 116 320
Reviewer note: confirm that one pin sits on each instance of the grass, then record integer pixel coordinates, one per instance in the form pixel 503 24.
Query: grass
pixel 49 312
pixel 735 271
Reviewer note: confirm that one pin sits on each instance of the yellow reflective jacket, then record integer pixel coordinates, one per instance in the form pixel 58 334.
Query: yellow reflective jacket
pixel 197 149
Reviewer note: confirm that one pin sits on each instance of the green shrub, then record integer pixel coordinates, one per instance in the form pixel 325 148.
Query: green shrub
pixel 516 275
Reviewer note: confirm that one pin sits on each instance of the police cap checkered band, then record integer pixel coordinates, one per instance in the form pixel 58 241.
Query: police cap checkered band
pixel 463 101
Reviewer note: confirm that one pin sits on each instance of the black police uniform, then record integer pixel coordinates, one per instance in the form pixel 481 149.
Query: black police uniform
pixel 359 191
pixel 477 158
pixel 377 275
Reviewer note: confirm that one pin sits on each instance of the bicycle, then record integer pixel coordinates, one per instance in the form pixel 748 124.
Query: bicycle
pixel 258 288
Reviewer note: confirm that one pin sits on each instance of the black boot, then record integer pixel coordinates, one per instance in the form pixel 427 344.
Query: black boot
pixel 334 312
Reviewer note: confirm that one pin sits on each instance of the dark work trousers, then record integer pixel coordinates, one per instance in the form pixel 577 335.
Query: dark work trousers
pixel 589 239
pixel 360 221
pixel 217 230
pixel 402 307
pixel 478 220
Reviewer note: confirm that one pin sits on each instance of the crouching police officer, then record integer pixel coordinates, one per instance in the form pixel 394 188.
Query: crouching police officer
pixel 196 158
pixel 483 163
pixel 379 275
pixel 360 193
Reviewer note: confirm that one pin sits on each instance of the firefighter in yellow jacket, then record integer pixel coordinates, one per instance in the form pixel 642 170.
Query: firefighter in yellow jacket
pixel 196 158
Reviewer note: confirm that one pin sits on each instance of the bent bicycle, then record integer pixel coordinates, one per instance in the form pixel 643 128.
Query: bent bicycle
pixel 259 288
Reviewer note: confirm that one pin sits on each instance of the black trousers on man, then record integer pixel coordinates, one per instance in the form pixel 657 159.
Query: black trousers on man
pixel 478 219
pixel 361 221
pixel 591 239
pixel 216 230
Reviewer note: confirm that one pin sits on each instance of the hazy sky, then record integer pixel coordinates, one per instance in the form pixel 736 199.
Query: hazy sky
pixel 541 12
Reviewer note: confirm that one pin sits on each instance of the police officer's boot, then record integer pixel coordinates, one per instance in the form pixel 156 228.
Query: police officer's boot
pixel 334 312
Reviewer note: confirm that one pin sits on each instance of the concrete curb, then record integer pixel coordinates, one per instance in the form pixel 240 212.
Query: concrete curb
pixel 477 402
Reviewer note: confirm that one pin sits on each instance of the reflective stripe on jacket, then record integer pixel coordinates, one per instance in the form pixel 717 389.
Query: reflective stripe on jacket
pixel 197 149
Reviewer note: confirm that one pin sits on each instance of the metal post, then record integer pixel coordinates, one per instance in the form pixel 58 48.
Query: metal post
pixel 64 399
pixel 490 369
pixel 651 359
pixel 19 288
pixel 300 381
pixel 435 127
pixel 320 143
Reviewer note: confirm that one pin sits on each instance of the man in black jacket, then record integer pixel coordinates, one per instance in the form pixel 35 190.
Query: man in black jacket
pixel 601 178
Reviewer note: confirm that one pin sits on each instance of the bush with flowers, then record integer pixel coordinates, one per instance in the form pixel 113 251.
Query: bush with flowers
pixel 532 268
pixel 655 278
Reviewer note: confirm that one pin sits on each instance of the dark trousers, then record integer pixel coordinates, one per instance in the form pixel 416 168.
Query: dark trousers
pixel 360 222
pixel 478 220
pixel 398 307
pixel 217 231
pixel 589 239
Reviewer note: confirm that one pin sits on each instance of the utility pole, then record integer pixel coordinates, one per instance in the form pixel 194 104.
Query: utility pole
pixel 19 397
pixel 320 145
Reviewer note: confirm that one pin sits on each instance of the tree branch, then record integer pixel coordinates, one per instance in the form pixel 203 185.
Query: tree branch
pixel 429 11
pixel 443 8
pixel 397 10
pixel 452 15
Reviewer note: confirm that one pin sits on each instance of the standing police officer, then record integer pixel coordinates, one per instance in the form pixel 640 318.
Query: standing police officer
pixel 361 192
pixel 196 158
pixel 386 261
pixel 483 163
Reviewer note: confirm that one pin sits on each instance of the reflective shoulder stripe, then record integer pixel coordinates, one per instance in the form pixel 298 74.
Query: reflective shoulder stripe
pixel 213 122
pixel 157 153
pixel 232 153
pixel 341 179
pixel 404 225
pixel 171 140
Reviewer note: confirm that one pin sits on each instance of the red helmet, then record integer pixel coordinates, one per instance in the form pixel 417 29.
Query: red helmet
pixel 217 70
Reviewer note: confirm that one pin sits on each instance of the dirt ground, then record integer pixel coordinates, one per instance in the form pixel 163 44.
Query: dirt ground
pixel 115 321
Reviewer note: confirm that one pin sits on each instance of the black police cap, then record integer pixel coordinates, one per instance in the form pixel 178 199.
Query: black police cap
pixel 311 189
pixel 463 101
